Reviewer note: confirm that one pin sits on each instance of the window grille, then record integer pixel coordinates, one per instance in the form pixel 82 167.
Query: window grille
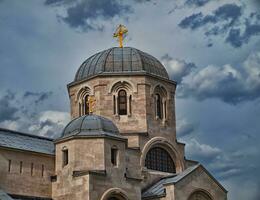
pixel 122 102
pixel 159 159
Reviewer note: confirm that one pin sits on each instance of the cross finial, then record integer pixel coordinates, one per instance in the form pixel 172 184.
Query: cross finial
pixel 121 31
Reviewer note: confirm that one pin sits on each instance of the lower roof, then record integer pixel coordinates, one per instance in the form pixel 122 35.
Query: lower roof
pixel 158 189
pixel 26 142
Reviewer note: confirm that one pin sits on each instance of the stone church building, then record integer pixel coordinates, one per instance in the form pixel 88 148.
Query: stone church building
pixel 120 145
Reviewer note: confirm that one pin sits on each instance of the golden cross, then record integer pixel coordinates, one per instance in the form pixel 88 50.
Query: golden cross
pixel 121 31
pixel 91 103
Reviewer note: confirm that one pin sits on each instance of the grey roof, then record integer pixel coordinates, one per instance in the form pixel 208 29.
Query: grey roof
pixel 158 188
pixel 90 125
pixel 4 196
pixel 27 142
pixel 116 60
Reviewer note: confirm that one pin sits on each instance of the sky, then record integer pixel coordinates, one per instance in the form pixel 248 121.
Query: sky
pixel 210 47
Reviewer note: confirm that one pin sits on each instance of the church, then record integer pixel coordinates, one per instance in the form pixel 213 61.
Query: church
pixel 120 144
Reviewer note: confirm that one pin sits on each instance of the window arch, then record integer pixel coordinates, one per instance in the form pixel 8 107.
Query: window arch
pixel 122 97
pixel 199 195
pixel 160 102
pixel 83 100
pixel 122 102
pixel 159 159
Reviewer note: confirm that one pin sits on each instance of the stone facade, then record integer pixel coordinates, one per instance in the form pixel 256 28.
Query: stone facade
pixel 26 173
pixel 85 165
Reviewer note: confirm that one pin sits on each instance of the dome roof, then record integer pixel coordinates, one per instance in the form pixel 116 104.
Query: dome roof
pixel 116 60
pixel 90 125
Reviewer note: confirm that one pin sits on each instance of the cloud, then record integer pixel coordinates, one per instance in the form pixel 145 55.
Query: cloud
pixel 227 83
pixel 201 152
pixel 21 112
pixel 7 110
pixel 38 96
pixel 184 128
pixel 229 13
pixel 83 14
pixel 196 2
pixel 176 68
pixel 237 37
pixel 50 123
pixel 227 20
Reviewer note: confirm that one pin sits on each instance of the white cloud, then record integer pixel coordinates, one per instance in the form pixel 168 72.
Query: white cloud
pixel 230 84
pixel 50 123
pixel 184 128
pixel 177 68
pixel 201 151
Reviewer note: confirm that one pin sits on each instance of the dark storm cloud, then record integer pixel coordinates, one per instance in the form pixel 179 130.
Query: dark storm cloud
pixel 229 13
pixel 196 2
pixel 57 2
pixel 83 14
pixel 7 110
pixel 237 37
pixel 38 96
pixel 227 20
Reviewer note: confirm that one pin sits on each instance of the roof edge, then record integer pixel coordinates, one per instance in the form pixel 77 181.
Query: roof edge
pixel 28 151
pixel 206 171
pixel 71 137
pixel 120 74
pixel 26 134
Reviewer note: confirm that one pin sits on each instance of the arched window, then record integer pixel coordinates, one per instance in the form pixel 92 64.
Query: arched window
pixel 65 156
pixel 114 156
pixel 159 106
pixel 130 104
pixel 122 102
pixel 159 159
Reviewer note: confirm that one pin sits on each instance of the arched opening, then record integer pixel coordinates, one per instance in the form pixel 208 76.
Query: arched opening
pixel 114 156
pixel 159 159
pixel 160 102
pixel 122 102
pixel 122 97
pixel 82 98
pixel 114 194
pixel 199 195
pixel 65 156
pixel 113 198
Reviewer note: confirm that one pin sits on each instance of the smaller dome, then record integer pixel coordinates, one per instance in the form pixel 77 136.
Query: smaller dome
pixel 90 125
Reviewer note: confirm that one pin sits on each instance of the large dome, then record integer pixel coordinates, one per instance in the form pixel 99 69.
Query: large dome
pixel 116 60
pixel 90 125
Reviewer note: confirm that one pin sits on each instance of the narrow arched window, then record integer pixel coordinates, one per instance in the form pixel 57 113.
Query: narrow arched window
pixel 159 159
pixel 114 104
pixel 114 155
pixel 122 102
pixel 130 104
pixel 159 111
pixel 86 105
pixel 65 156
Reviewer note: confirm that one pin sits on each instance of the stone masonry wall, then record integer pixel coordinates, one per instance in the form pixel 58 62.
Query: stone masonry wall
pixel 23 179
